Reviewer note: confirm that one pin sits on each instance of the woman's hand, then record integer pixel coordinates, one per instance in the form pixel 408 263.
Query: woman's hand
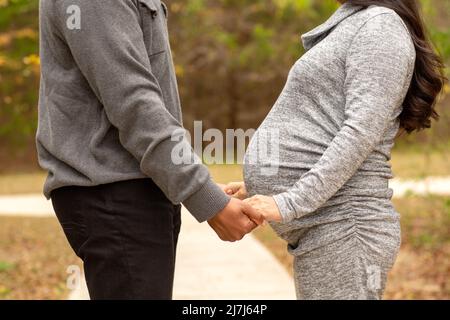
pixel 236 190
pixel 265 206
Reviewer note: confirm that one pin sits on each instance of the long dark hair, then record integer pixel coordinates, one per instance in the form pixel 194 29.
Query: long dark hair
pixel 429 78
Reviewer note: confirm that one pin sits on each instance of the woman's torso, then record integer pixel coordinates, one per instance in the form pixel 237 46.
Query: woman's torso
pixel 304 120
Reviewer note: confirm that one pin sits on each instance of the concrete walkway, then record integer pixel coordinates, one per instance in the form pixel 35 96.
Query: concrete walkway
pixel 28 205
pixel 208 268
pixel 430 185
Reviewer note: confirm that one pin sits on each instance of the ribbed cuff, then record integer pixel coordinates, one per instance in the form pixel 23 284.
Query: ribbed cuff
pixel 206 202
pixel 286 213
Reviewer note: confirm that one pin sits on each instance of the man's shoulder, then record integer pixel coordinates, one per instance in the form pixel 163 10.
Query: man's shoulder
pixel 95 5
pixel 58 11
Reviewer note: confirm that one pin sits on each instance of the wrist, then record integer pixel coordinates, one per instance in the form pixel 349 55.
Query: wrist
pixel 286 214
pixel 207 202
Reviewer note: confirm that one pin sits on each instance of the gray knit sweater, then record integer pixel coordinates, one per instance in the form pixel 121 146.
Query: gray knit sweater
pixel 109 106
pixel 336 118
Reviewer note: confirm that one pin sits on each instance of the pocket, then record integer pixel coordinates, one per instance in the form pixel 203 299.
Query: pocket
pixel 151 7
pixel 154 26
pixel 165 9
pixel 76 234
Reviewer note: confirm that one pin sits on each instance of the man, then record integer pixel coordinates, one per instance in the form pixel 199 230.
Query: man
pixel 108 112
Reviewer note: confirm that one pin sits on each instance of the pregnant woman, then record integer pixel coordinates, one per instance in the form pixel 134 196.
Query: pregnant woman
pixel 367 72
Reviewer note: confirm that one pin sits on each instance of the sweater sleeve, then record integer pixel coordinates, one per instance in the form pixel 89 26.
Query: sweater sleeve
pixel 110 51
pixel 379 65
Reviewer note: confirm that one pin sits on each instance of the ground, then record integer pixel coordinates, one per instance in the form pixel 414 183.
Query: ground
pixel 34 256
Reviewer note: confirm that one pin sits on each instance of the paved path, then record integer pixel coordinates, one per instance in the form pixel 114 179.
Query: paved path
pixel 208 268
pixel 430 185
pixel 34 205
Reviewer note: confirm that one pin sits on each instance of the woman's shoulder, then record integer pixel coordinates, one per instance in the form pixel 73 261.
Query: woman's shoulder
pixel 383 29
pixel 379 15
pixel 374 10
pixel 385 20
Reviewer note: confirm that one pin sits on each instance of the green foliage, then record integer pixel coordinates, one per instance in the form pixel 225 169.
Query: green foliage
pixel 425 220
pixel 441 39
pixel 6 266
pixel 19 71
pixel 15 13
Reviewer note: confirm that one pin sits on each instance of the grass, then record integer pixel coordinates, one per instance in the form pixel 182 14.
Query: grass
pixel 415 164
pixel 6 266
pixel 420 163
pixel 22 183
pixel 34 256
pixel 422 270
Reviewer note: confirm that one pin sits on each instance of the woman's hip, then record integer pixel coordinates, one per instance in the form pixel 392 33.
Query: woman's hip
pixel 345 269
pixel 374 225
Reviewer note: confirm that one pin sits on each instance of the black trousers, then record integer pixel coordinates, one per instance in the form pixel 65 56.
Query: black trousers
pixel 126 234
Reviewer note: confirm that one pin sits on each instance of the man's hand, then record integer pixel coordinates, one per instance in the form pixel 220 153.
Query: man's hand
pixel 235 221
pixel 265 206
pixel 236 190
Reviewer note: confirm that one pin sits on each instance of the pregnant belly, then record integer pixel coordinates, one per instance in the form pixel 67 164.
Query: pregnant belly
pixel 292 138
pixel 276 159
pixel 279 155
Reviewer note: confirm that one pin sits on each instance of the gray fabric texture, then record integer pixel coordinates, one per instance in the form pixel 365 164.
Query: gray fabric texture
pixel 346 269
pixel 109 102
pixel 336 119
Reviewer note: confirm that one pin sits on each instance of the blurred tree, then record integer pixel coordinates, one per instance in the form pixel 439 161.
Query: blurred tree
pixel 19 79
pixel 233 56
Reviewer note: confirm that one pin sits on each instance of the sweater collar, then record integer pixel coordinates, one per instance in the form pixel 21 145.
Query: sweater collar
pixel 311 38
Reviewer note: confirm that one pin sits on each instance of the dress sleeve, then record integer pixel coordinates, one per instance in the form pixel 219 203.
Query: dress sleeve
pixel 379 63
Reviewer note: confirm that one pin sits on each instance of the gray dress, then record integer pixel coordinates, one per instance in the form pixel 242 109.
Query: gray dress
pixel 323 152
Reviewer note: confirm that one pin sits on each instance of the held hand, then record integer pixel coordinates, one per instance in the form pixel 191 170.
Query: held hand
pixel 236 190
pixel 235 221
pixel 266 206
